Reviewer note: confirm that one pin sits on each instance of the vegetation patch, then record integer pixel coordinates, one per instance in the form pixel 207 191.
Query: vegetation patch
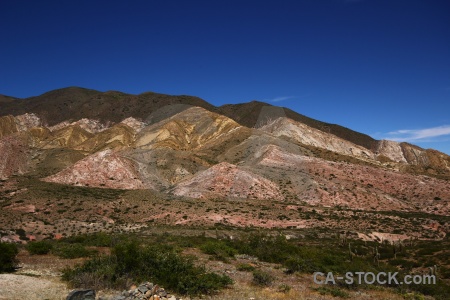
pixel 333 291
pixel 262 278
pixel 132 262
pixel 8 253
pixel 39 248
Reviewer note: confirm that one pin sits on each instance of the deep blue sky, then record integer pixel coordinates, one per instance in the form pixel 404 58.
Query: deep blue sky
pixel 376 66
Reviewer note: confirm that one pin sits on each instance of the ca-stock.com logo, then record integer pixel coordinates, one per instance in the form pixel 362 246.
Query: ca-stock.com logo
pixel 369 278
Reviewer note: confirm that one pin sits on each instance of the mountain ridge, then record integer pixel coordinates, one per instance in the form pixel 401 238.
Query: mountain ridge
pixel 113 106
pixel 278 172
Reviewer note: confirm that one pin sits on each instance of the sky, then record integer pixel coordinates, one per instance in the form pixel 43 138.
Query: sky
pixel 381 67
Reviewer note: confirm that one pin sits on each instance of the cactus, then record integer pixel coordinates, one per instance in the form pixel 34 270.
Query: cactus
pixel 376 256
pixel 342 239
pixel 351 254
pixel 395 249
pixel 433 270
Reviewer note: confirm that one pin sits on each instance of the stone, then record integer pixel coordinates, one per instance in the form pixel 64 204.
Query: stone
pixel 125 293
pixel 143 289
pixel 81 295
pixel 162 292
pixel 155 289
pixel 149 285
pixel 148 294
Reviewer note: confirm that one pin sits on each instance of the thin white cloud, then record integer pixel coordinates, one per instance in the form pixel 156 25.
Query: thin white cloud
pixel 279 99
pixel 418 135
pixel 284 98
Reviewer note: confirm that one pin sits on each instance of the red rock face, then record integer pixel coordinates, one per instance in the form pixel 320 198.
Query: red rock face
pixel 307 135
pixel 23 208
pixel 103 169
pixel 359 186
pixel 10 124
pixel 284 160
pixel 7 126
pixel 27 121
pixel 13 156
pixel 91 126
pixel 225 180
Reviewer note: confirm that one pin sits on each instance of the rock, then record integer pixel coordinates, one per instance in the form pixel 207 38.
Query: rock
pixel 228 180
pixel 125 293
pixel 143 289
pixel 133 287
pixel 148 294
pixel 81 295
pixel 162 292
pixel 96 171
pixel 155 289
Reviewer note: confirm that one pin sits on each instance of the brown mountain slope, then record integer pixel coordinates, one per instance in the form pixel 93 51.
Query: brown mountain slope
pixel 14 157
pixel 308 135
pixel 102 169
pixel 116 137
pixel 7 126
pixel 201 154
pixel 248 114
pixel 75 103
pixel 225 180
pixel 6 99
pixel 320 182
pixel 69 137
pixel 191 129
pixel 96 111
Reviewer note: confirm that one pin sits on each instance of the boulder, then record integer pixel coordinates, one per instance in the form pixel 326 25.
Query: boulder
pixel 81 295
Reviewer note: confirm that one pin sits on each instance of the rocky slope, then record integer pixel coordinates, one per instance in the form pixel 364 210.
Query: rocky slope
pixel 180 149
pixel 304 134
pixel 225 180
pixel 14 158
pixel 102 169
pixel 73 103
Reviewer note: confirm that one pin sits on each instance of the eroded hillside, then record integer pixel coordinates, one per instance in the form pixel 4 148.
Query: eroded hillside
pixel 192 165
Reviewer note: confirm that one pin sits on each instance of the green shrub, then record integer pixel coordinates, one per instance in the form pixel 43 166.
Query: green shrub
pixel 99 239
pixel 130 262
pixel 219 249
pixel 39 248
pixel 8 253
pixel 270 249
pixel 262 278
pixel 245 267
pixel 284 288
pixel 72 251
pixel 333 291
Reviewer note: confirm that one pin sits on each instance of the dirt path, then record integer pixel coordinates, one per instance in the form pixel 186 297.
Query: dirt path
pixel 19 287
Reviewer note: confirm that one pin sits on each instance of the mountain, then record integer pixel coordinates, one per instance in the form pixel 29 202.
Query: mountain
pixel 75 103
pixel 6 99
pixel 77 148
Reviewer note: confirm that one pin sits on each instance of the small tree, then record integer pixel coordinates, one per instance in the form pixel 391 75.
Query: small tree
pixel 8 253
pixel 39 248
